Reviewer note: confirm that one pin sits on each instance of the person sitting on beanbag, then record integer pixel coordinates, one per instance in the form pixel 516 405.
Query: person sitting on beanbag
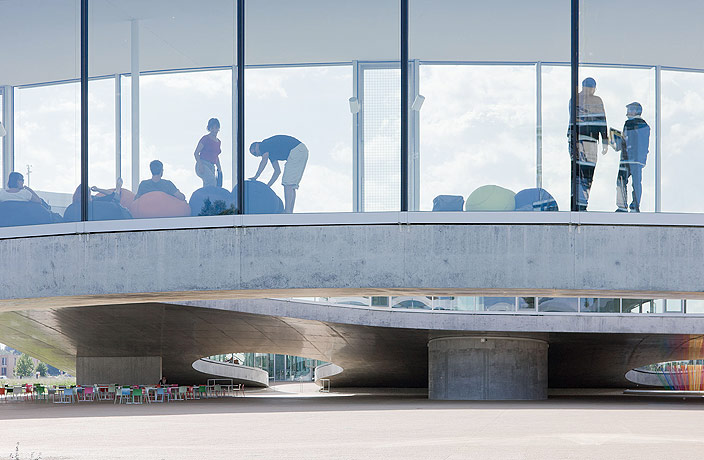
pixel 107 195
pixel 157 184
pixel 17 191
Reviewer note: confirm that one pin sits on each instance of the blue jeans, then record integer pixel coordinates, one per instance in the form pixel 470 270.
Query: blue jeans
pixel 635 171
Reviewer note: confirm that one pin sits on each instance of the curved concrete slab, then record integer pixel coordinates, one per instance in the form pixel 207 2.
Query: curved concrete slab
pixel 645 378
pixel 249 376
pixel 325 371
pixel 210 263
pixel 374 347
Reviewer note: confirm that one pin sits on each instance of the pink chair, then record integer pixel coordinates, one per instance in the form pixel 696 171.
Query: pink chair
pixel 88 394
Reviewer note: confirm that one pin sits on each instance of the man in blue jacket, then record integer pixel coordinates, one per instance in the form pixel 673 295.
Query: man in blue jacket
pixel 634 152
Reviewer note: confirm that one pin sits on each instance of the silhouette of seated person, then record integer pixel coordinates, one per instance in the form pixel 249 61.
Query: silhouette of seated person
pixel 157 184
pixel 17 191
pixel 110 196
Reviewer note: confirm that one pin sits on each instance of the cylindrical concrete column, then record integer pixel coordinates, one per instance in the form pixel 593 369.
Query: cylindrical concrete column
pixel 487 368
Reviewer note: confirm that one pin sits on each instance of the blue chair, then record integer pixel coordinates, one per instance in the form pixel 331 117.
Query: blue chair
pixel 65 396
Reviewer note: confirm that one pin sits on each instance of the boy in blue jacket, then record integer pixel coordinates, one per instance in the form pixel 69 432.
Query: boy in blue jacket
pixel 634 152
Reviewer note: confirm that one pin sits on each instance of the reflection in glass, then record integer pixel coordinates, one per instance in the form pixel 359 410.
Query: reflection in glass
pixel 599 305
pixel 336 92
pixel 557 304
pixel 497 304
pixel 477 129
pixel 526 304
pixel 637 306
pixel 47 142
pixel 591 128
pixel 414 303
pixel 694 306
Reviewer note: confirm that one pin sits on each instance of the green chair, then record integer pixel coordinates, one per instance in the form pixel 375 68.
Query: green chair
pixel 137 393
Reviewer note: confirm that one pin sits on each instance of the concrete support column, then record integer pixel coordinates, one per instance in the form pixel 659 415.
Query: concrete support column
pixel 123 370
pixel 487 368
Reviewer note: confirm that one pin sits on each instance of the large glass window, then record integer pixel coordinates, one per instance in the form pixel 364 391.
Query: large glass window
pixel 476 113
pixel 332 131
pixel 682 111
pixel 39 72
pixel 161 118
pixel 618 75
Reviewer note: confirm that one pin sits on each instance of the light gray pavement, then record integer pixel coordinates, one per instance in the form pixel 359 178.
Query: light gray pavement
pixel 283 424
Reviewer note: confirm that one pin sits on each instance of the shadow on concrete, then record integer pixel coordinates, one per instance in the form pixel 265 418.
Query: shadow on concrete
pixel 339 402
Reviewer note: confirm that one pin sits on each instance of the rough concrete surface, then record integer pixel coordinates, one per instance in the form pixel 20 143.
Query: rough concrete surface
pixel 493 368
pixel 297 423
pixel 564 259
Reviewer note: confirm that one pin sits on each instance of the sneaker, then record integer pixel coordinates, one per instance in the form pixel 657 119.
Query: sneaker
pixel 621 210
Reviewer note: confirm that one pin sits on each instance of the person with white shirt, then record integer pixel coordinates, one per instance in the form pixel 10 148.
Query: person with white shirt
pixel 17 191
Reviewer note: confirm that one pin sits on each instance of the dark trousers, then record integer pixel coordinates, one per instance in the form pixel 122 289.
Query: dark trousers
pixel 635 171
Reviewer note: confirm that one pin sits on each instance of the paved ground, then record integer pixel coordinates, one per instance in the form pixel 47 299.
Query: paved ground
pixel 294 422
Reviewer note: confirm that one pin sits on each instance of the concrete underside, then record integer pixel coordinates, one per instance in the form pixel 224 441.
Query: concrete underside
pixel 173 294
pixel 375 347
pixel 140 370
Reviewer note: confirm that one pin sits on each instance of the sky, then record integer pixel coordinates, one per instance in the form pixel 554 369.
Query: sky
pixel 477 127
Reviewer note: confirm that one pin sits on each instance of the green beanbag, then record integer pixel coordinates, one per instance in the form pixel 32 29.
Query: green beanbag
pixel 491 198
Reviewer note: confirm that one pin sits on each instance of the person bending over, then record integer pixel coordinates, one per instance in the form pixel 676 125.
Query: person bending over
pixel 157 184
pixel 282 148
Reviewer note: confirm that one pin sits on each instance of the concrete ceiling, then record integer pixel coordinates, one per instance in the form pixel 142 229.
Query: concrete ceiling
pixel 41 39
pixel 375 347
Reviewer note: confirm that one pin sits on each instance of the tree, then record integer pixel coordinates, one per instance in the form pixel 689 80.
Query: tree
pixel 42 369
pixel 25 366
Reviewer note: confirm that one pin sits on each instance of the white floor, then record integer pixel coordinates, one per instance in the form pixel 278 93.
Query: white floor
pixel 280 424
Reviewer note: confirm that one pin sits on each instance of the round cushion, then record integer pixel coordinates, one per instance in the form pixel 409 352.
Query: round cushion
pixel 14 213
pixel 260 198
pixel 491 198
pixel 98 210
pixel 535 199
pixel 159 204
pixel 211 193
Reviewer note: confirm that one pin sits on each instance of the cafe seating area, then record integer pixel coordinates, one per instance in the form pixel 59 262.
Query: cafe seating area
pixel 118 394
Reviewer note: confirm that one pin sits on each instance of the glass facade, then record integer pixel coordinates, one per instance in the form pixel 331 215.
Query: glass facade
pixel 488 117
pixel 281 368
pixel 479 304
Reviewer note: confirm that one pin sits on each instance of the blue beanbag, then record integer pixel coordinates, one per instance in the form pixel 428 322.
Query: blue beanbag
pixel 259 198
pixel 14 213
pixel 97 210
pixel 448 203
pixel 535 199
pixel 212 193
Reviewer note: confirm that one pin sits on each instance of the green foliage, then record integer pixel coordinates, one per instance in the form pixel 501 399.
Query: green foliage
pixel 218 208
pixel 25 366
pixel 42 369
